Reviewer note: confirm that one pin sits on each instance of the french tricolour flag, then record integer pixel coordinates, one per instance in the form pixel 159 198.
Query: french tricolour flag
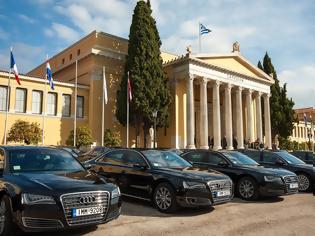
pixel 49 76
pixel 13 67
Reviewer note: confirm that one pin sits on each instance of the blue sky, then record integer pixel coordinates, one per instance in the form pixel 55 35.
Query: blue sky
pixel 284 28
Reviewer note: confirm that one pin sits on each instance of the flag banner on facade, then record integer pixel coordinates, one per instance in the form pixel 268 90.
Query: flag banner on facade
pixel 129 89
pixel 14 68
pixel 203 29
pixel 305 120
pixel 105 87
pixel 49 76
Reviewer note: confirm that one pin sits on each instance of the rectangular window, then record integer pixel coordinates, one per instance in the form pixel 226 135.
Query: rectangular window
pixel 37 99
pixel 3 98
pixel 51 104
pixel 80 106
pixel 66 105
pixel 20 100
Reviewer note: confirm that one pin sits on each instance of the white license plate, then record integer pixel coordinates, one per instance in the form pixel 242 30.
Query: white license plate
pixel 294 185
pixel 223 193
pixel 87 211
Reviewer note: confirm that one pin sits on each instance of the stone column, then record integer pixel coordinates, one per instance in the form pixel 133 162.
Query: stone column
pixel 216 116
pixel 259 117
pixel 190 112
pixel 203 114
pixel 268 142
pixel 250 123
pixel 239 118
pixel 228 117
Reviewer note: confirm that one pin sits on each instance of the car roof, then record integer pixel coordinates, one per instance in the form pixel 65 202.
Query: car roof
pixel 10 148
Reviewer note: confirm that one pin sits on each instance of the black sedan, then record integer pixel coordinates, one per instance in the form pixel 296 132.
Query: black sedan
pixel 164 178
pixel 251 179
pixel 48 189
pixel 307 156
pixel 283 159
pixel 93 153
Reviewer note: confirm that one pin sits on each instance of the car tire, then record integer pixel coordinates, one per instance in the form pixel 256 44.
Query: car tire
pixel 164 198
pixel 305 183
pixel 247 188
pixel 6 223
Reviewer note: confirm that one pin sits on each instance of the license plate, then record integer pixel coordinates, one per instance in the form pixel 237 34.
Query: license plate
pixel 87 211
pixel 223 193
pixel 294 185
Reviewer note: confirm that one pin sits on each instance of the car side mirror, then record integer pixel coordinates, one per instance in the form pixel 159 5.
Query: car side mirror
pixel 280 162
pixel 223 164
pixel 138 166
pixel 87 166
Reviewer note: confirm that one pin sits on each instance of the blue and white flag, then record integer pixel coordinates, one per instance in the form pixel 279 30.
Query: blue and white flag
pixel 203 29
pixel 49 76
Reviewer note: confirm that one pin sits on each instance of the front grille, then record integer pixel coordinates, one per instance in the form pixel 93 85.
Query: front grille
pixel 222 185
pixel 290 179
pixel 85 200
pixel 41 223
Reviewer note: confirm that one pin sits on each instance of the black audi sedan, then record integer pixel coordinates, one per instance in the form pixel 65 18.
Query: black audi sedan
pixel 164 178
pixel 283 159
pixel 250 179
pixel 44 188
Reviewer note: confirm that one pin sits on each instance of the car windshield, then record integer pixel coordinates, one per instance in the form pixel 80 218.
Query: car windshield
pixel 290 158
pixel 42 160
pixel 165 159
pixel 238 158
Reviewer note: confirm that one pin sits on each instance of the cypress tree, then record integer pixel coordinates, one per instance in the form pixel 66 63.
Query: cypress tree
pixel 281 107
pixel 148 80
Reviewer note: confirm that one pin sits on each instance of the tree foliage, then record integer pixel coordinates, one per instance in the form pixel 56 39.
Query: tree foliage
pixel 150 90
pixel 111 139
pixel 281 107
pixel 83 137
pixel 25 132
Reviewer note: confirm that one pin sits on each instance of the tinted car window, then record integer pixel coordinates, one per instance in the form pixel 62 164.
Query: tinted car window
pixel 165 159
pixel 123 157
pixel 1 159
pixel 214 158
pixel 290 158
pixel 300 155
pixel 238 158
pixel 115 158
pixel 131 158
pixel 195 157
pixel 255 155
pixel 270 157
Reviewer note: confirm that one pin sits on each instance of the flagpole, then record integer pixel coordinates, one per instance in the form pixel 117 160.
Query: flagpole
pixel 7 106
pixel 103 101
pixel 127 141
pixel 199 38
pixel 75 105
pixel 44 104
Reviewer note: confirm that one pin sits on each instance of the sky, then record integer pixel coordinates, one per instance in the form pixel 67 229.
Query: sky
pixel 283 28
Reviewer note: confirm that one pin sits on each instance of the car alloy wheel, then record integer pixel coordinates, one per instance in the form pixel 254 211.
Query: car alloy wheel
pixel 246 189
pixel 304 182
pixel 163 198
pixel 3 210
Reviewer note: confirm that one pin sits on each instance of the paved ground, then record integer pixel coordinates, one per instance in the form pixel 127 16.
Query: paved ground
pixel 289 215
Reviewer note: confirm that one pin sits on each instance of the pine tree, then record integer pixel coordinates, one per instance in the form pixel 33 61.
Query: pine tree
pixel 148 80
pixel 281 107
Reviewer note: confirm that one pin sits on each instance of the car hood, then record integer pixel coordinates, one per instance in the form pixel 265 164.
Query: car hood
pixel 268 171
pixel 59 182
pixel 193 173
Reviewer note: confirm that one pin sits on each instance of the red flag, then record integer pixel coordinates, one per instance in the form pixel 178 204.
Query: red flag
pixel 129 88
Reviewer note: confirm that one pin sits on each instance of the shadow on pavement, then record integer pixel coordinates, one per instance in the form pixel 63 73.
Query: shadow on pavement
pixel 261 200
pixel 135 207
pixel 71 232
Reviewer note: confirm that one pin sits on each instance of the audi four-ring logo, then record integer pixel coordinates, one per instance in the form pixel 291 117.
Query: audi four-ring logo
pixel 87 199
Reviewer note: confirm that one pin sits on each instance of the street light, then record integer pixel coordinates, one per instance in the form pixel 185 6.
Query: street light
pixel 154 114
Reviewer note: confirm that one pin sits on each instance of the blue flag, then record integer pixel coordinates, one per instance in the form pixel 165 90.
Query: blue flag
pixel 49 76
pixel 203 29
pixel 305 120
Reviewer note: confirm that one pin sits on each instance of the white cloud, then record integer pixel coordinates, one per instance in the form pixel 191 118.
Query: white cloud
pixel 63 32
pixel 3 34
pixel 26 18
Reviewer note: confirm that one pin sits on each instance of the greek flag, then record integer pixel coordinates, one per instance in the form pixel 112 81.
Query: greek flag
pixel 49 76
pixel 203 29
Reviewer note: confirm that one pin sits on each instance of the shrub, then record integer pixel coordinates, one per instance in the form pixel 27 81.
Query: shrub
pixel 83 137
pixel 111 139
pixel 25 132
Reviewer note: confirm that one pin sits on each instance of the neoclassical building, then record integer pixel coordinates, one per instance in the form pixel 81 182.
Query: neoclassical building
pixel 214 96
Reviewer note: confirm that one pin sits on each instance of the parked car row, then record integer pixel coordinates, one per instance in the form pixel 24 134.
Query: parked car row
pixel 81 190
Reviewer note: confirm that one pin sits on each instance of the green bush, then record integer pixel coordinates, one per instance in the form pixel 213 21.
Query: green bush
pixel 111 139
pixel 25 132
pixel 83 137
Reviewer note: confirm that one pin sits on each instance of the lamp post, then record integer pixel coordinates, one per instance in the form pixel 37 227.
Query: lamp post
pixel 154 114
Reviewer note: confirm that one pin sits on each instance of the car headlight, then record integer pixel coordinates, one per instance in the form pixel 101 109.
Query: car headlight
pixel 116 193
pixel 271 178
pixel 193 185
pixel 28 198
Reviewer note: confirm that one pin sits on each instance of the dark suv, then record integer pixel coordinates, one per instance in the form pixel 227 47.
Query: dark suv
pixel 283 159
pixel 164 178
pixel 250 179
pixel 45 188
pixel 307 156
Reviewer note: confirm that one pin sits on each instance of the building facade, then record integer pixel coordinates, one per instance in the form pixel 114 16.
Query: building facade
pixel 214 96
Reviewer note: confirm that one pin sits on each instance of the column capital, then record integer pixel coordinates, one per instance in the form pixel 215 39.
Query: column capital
pixel 258 93
pixel 203 80
pixel 228 87
pixel 216 83
pixel 191 76
pixel 239 89
pixel 266 95
pixel 249 91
